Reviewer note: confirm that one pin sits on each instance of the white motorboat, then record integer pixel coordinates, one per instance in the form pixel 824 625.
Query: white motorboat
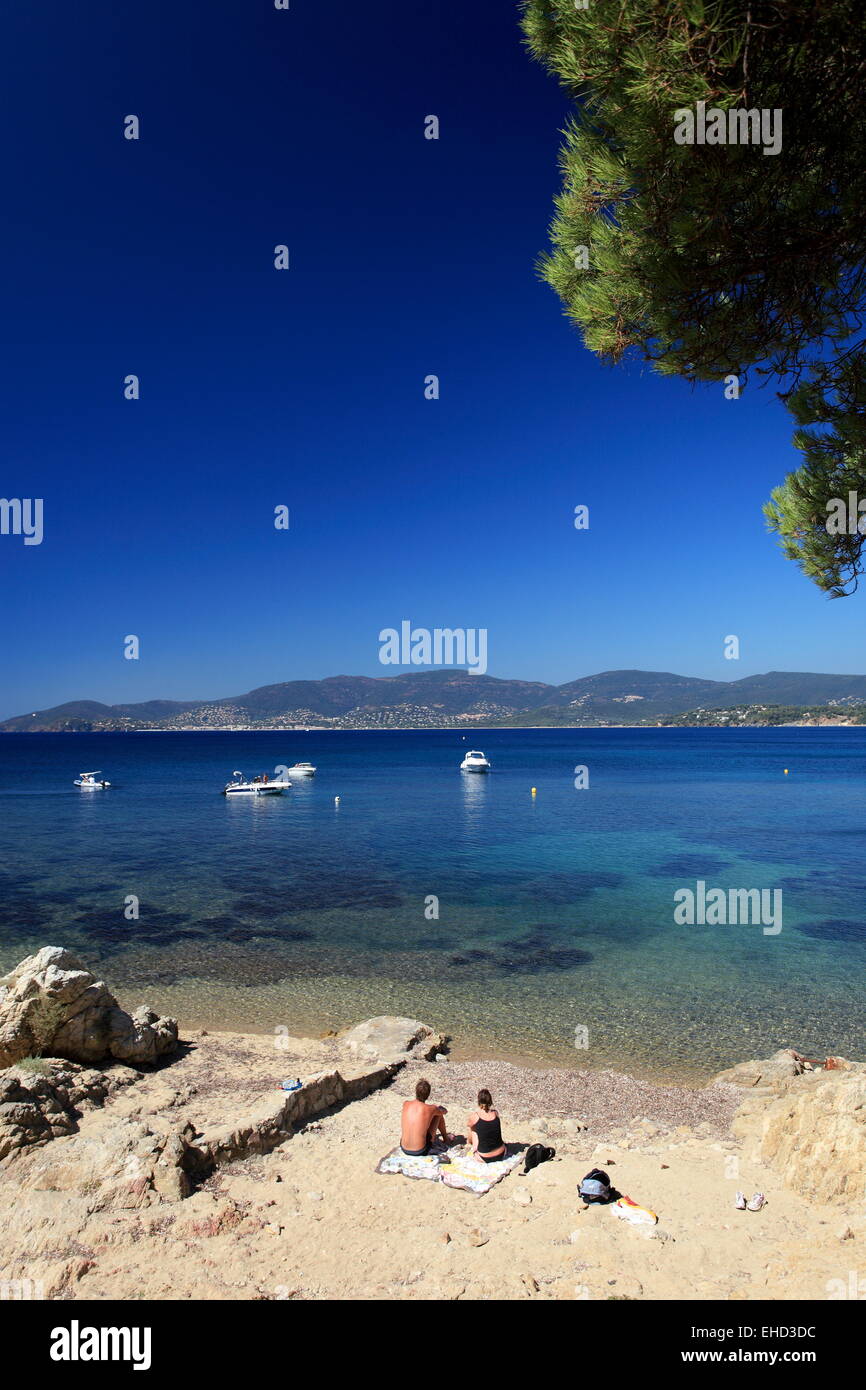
pixel 259 786
pixel 91 780
pixel 474 762
pixel 302 770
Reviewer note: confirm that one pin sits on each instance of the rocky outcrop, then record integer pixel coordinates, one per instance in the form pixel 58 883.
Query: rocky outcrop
pixel 128 1161
pixel 766 1073
pixel 51 1004
pixel 810 1127
pixel 382 1046
pixel 274 1121
pixel 218 1103
pixel 117 1164
pixel 39 1104
pixel 388 1038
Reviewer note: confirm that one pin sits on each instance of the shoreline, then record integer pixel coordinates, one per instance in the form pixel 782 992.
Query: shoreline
pixel 436 728
pixel 230 1011
pixel 464 1049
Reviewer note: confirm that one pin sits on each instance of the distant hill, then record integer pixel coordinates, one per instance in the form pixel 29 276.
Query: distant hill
pixel 431 699
pixel 630 696
pixel 451 691
pixel 87 713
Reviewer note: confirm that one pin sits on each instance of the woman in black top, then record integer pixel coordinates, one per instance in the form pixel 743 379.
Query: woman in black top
pixel 485 1131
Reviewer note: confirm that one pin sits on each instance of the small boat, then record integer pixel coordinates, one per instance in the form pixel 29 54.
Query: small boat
pixel 90 780
pixel 259 786
pixel 474 762
pixel 302 770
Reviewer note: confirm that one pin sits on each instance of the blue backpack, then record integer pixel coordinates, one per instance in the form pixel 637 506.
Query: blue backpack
pixel 595 1187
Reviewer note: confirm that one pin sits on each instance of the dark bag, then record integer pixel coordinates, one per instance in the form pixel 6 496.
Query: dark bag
pixel 535 1154
pixel 595 1187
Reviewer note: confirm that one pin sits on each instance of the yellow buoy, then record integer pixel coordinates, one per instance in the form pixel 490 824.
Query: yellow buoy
pixel 533 791
pixel 786 772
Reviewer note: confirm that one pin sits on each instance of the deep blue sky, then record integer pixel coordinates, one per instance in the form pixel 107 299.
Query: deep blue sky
pixel 306 387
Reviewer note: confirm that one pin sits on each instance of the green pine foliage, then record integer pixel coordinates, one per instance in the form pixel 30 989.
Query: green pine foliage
pixel 718 259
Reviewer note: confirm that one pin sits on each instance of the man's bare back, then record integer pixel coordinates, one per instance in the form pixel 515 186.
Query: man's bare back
pixel 421 1122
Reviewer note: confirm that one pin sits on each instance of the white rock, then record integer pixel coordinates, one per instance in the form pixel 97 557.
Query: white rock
pixel 51 1004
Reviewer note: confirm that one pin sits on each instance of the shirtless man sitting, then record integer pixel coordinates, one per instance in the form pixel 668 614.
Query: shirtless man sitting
pixel 421 1122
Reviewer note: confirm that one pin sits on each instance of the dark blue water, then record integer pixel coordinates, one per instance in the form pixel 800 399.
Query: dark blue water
pixel 555 911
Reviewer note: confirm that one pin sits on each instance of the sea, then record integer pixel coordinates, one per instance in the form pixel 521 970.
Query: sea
pixel 531 912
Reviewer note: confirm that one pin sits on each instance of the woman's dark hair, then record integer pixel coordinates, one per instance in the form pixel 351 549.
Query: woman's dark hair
pixel 485 1099
pixel 422 1090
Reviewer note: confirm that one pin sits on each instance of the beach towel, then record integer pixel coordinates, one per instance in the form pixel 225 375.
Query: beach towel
pixel 473 1175
pixel 420 1166
pixel 453 1166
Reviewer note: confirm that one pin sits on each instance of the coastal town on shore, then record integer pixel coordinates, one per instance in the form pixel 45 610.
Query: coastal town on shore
pixel 228 719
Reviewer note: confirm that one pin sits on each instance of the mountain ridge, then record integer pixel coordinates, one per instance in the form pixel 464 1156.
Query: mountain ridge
pixel 432 699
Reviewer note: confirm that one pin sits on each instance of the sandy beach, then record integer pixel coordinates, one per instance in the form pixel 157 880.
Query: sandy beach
pixel 299 1212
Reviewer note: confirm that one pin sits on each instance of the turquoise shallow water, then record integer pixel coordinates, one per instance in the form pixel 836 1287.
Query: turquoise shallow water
pixel 555 912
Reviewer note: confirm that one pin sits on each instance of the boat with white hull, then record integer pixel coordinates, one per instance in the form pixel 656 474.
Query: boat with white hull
pixel 91 781
pixel 474 762
pixel 301 770
pixel 259 786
